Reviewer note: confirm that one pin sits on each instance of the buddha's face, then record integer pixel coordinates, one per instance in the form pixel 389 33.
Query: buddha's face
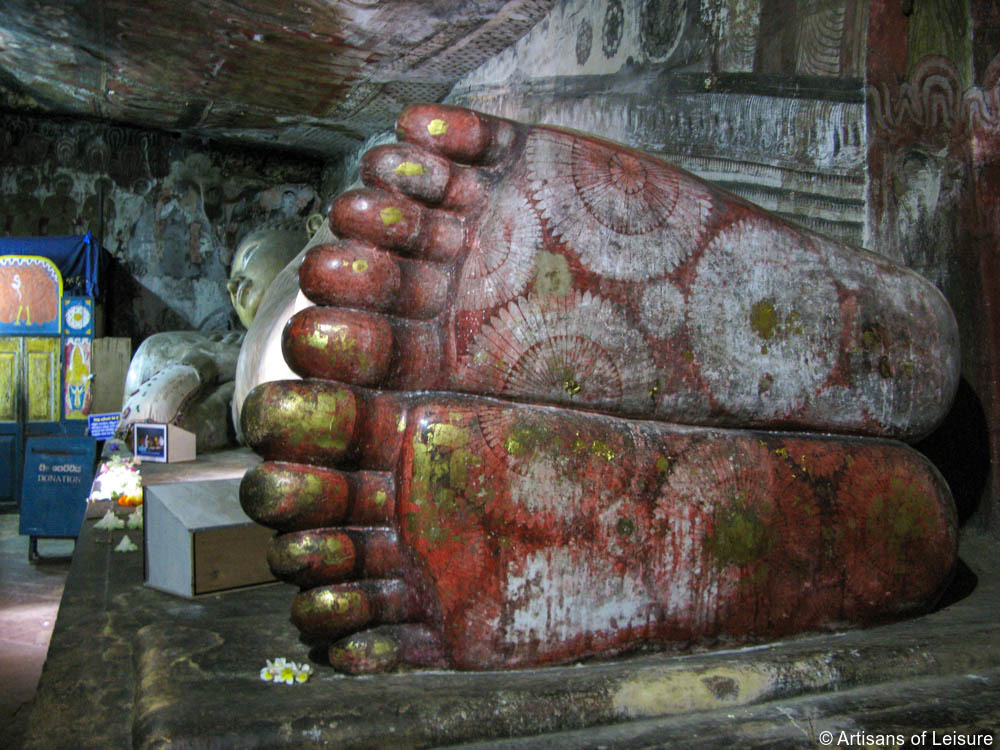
pixel 259 257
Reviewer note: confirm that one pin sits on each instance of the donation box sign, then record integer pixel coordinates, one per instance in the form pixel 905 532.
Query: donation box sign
pixel 58 472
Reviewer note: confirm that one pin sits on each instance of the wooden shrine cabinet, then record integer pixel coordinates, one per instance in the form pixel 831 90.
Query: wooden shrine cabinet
pixel 45 362
pixel 29 400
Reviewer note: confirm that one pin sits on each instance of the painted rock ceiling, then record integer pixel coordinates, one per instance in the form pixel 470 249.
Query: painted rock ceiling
pixel 317 76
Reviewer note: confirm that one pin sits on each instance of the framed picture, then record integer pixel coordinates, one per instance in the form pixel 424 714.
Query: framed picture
pixel 149 442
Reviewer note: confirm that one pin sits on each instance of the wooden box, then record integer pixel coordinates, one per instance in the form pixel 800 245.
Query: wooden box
pixel 199 540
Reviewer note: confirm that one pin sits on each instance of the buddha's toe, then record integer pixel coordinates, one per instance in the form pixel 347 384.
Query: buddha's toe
pixel 461 135
pixel 340 609
pixel 394 222
pixel 297 497
pixel 321 556
pixel 387 647
pixel 367 349
pixel 359 275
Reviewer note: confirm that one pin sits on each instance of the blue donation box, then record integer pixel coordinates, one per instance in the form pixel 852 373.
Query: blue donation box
pixel 58 472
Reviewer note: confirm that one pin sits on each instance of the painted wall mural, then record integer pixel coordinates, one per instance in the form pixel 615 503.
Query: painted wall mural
pixel 924 131
pixel 933 91
pixel 728 89
pixel 170 212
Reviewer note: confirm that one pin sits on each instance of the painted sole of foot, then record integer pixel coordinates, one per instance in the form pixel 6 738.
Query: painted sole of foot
pixel 471 533
pixel 494 258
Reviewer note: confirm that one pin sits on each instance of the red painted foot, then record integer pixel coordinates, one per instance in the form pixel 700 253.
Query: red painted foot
pixel 562 269
pixel 461 531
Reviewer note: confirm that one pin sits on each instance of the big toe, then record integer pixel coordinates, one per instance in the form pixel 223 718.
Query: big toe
pixel 307 421
pixel 459 134
pixel 363 348
pixel 338 344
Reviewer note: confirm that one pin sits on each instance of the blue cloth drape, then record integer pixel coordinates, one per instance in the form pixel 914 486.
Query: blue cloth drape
pixel 76 257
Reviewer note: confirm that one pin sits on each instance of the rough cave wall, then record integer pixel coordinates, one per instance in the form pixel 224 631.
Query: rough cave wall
pixel 873 121
pixel 933 75
pixel 169 211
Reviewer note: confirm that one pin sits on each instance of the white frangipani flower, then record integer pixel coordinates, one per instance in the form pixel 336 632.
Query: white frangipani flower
pixel 135 519
pixel 126 545
pixel 110 522
pixel 281 670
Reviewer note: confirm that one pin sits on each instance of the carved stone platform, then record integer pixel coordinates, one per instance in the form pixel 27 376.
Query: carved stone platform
pixel 133 667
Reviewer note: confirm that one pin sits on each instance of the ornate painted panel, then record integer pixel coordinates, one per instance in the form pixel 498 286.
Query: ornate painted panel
pixel 30 291
pixel 78 324
pixel 77 352
pixel 42 379
pixel 10 349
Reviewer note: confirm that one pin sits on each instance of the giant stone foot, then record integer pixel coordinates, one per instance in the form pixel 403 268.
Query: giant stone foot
pixel 541 265
pixel 547 267
pixel 468 532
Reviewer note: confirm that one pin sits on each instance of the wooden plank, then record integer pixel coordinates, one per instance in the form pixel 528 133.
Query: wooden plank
pixel 43 371
pixel 10 360
pixel 110 360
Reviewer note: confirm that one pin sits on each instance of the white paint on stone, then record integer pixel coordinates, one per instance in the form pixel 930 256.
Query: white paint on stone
pixel 662 309
pixel 562 593
pixel 764 320
pixel 550 48
pixel 161 398
pixel 541 486
pixel 565 592
pixel 627 216
pixel 735 32
pixel 579 349
pixel 502 254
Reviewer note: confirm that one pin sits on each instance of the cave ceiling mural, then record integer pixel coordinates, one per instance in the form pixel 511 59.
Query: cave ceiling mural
pixel 315 76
